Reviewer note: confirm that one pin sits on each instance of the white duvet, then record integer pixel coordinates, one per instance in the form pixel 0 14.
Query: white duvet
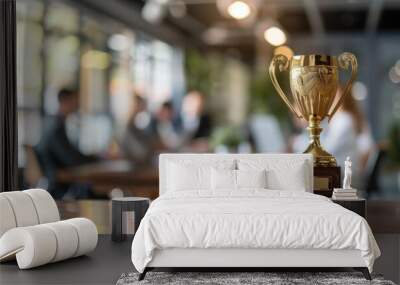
pixel 250 219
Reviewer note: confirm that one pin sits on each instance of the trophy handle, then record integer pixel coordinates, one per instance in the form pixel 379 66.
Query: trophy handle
pixel 345 60
pixel 283 64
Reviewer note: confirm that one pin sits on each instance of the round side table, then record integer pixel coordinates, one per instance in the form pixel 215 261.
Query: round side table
pixel 124 211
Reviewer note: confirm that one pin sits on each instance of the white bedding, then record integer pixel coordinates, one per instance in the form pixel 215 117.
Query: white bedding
pixel 250 219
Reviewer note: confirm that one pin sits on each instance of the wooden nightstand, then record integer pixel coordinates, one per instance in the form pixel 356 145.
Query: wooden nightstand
pixel 358 206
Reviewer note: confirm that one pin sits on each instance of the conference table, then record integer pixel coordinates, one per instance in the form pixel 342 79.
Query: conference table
pixel 105 176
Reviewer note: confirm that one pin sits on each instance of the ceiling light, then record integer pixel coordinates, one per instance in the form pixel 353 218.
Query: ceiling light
pixel 275 36
pixel 239 10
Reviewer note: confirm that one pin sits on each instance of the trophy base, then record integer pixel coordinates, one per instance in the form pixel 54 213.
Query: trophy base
pixel 322 158
pixel 325 161
pixel 326 179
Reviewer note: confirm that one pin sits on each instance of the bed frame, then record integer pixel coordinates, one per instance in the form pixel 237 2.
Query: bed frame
pixel 246 259
pixel 242 259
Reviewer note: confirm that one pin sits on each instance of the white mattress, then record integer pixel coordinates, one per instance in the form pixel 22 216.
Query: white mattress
pixel 253 219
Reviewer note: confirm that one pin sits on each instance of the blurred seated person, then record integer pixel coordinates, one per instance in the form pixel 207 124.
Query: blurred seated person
pixel 165 127
pixel 137 143
pixel 195 120
pixel 266 134
pixel 56 152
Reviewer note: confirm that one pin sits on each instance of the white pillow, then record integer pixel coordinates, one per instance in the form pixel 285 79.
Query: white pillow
pixel 292 175
pixel 251 178
pixel 183 178
pixel 226 179
pixel 223 179
pixel 193 175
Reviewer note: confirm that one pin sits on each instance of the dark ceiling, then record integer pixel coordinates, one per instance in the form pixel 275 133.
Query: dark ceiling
pixel 338 16
pixel 296 17
pixel 390 20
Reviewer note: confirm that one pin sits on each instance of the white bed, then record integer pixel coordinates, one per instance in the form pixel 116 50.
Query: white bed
pixel 248 227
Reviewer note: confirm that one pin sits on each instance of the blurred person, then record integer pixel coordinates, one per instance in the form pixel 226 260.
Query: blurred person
pixel 166 129
pixel 348 133
pixel 266 133
pixel 137 140
pixel 300 140
pixel 55 151
pixel 196 122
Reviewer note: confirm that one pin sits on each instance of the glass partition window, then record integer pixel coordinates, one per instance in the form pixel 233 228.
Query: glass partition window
pixel 29 51
pixel 62 66
pixel 163 72
pixel 60 46
pixel 153 71
pixel 62 17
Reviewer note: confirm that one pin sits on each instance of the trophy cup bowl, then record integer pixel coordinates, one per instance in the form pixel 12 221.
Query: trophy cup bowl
pixel 314 80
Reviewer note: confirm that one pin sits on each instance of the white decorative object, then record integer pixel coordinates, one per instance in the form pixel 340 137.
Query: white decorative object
pixel 347 192
pixel 31 231
pixel 347 174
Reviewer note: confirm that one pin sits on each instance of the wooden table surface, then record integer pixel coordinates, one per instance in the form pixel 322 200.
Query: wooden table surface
pixel 107 175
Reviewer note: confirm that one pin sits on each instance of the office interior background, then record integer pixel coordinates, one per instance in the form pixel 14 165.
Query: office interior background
pixel 162 50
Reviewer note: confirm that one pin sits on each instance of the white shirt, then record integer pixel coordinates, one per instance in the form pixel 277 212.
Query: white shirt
pixel 340 139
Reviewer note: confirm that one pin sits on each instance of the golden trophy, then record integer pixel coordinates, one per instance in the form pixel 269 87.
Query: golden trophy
pixel 314 80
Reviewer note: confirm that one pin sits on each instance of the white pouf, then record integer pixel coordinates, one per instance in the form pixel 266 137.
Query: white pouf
pixel 87 234
pixel 22 207
pixel 33 246
pixel 67 238
pixel 46 207
pixel 31 232
pixel 7 219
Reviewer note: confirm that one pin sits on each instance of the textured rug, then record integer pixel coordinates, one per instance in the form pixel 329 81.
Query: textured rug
pixel 242 278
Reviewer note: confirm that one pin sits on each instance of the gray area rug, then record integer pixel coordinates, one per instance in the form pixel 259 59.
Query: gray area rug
pixel 229 278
